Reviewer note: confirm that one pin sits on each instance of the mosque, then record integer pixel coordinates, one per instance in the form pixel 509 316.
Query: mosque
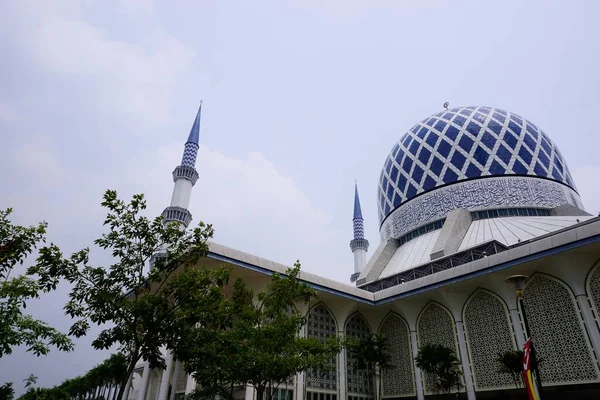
pixel 466 198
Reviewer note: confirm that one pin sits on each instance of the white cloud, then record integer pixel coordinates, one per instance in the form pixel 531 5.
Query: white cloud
pixel 253 207
pixel 129 76
pixel 586 179
pixel 135 6
pixel 7 112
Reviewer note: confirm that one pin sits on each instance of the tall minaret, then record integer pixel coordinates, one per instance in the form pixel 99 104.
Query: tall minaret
pixel 359 244
pixel 185 176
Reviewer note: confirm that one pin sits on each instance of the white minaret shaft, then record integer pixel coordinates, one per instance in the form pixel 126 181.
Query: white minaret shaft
pixel 359 245
pixel 185 176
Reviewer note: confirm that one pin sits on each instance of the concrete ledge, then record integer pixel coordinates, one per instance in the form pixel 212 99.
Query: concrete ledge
pixel 563 238
pixel 518 252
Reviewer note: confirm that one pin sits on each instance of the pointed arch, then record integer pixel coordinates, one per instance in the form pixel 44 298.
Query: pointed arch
pixel 399 380
pixel 558 331
pixel 488 332
pixel 435 325
pixel 321 325
pixel 592 288
pixel 357 384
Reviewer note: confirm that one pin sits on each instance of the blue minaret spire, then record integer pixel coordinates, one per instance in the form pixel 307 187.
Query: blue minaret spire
pixel 190 151
pixel 359 245
pixel 357 219
pixel 185 177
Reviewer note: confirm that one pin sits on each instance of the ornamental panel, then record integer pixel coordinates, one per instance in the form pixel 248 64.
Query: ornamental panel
pixel 558 334
pixel 487 326
pixel 399 380
pixel 594 292
pixel 357 383
pixel 321 325
pixel 435 326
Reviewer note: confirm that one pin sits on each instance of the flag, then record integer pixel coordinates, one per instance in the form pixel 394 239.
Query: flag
pixel 530 384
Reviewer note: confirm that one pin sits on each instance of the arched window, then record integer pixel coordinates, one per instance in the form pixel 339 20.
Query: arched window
pixel 435 326
pixel 358 385
pixel 488 331
pixel 399 380
pixel 558 334
pixel 321 385
pixel 593 289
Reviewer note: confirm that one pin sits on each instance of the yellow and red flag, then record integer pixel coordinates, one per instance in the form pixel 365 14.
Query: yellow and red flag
pixel 530 383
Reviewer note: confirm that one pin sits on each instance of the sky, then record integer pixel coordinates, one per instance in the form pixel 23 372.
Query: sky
pixel 300 99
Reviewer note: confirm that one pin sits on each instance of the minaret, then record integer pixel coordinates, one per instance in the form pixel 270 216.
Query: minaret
pixel 185 176
pixel 359 244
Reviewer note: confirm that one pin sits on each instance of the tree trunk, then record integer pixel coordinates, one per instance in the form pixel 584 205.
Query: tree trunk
pixel 125 379
pixel 260 392
pixel 115 392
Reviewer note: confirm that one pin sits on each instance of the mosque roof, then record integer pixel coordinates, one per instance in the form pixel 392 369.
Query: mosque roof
pixel 466 143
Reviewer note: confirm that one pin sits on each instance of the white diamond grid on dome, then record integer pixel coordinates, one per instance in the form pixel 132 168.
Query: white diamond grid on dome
pixel 466 143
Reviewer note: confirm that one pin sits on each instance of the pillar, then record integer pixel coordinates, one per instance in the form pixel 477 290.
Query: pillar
pixel 464 357
pixel 518 327
pixel 590 323
pixel 190 385
pixel 165 381
pixel 418 376
pixel 342 373
pixel 300 386
pixel 144 383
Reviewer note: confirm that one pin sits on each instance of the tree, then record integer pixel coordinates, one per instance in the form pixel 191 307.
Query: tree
pixel 443 366
pixel 129 294
pixel 371 355
pixel 7 392
pixel 30 381
pixel 511 362
pixel 17 328
pixel 234 336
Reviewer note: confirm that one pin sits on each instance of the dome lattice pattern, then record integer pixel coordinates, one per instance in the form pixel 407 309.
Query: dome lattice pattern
pixel 466 143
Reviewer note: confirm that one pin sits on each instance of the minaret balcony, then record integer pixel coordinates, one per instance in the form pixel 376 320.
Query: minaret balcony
pixel 178 214
pixel 359 244
pixel 185 172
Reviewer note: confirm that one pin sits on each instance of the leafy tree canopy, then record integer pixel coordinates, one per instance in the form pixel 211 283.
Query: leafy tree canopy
pixel 442 364
pixel 16 327
pixel 128 295
pixel 235 336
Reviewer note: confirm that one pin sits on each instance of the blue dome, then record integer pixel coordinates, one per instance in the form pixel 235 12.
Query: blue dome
pixel 466 143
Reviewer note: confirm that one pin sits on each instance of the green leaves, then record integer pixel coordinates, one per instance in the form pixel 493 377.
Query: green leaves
pixel 443 365
pixel 16 327
pixel 130 295
pixel 230 335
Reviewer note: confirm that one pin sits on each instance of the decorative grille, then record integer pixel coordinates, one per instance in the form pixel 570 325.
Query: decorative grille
pixel 321 325
pixel 488 334
pixel 435 326
pixel 399 380
pixel 594 293
pixel 181 381
pixel 357 383
pixel 558 333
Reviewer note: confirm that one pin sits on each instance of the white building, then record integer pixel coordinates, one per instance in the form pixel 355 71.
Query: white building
pixel 467 197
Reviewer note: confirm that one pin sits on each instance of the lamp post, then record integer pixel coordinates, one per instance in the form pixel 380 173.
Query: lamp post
pixel 518 282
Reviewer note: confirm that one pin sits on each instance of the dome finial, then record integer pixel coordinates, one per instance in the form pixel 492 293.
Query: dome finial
pixel 446 105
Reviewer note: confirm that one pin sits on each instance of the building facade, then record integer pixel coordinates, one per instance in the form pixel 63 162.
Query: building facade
pixel 468 197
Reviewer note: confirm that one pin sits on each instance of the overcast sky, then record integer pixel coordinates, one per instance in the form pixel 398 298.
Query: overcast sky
pixel 300 98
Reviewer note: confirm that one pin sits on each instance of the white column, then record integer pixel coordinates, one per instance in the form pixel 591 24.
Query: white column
pixel 516 322
pixel 300 386
pixel 173 380
pixel 418 377
pixel 342 374
pixel 590 323
pixel 190 385
pixel 165 381
pixel 464 356
pixel 126 392
pixel 249 393
pixel 144 384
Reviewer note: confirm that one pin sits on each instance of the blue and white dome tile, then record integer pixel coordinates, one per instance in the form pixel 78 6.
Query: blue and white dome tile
pixel 466 143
